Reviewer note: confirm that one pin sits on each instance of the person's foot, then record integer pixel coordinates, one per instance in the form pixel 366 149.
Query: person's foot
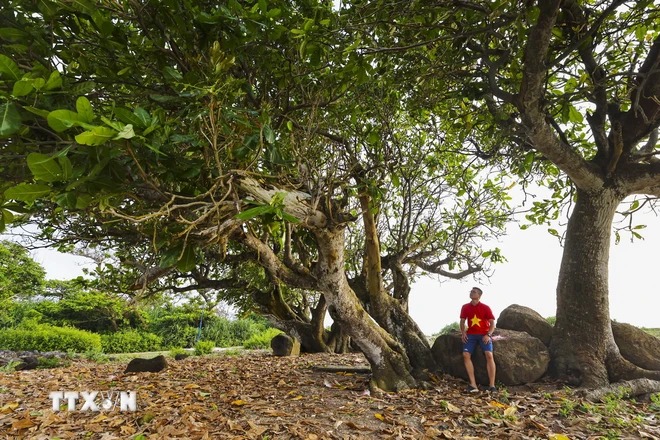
pixel 471 389
pixel 491 389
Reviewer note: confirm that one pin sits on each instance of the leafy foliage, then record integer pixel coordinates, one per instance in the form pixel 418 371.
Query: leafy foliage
pixel 262 339
pixel 20 275
pixel 43 337
pixel 130 341
pixel 90 310
pixel 204 347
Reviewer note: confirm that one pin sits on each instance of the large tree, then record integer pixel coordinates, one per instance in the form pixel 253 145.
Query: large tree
pixel 566 90
pixel 254 130
pixel 20 275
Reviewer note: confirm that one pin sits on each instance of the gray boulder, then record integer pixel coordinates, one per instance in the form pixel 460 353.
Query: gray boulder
pixel 284 345
pixel 524 319
pixel 637 346
pixel 519 357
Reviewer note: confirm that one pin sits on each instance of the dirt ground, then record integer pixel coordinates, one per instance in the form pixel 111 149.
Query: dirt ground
pixel 254 395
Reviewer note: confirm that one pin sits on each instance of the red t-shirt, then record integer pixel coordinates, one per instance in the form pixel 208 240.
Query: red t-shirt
pixel 477 318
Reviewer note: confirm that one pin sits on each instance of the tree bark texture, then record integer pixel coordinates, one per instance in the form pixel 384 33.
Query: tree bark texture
pixel 391 370
pixel 385 309
pixel 583 348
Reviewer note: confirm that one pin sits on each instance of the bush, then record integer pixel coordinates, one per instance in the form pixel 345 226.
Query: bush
pixel 13 312
pixel 177 326
pixel 204 347
pixel 90 310
pixel 261 340
pixel 177 351
pixel 43 337
pixel 130 341
pixel 226 333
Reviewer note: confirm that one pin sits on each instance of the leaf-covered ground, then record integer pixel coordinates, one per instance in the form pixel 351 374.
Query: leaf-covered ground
pixel 254 395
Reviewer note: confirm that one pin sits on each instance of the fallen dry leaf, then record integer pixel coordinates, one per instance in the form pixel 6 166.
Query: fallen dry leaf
pixel 256 395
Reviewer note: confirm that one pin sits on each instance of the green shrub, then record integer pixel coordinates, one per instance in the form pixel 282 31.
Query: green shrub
pixel 130 341
pixel 204 347
pixel 177 326
pixel 43 337
pixel 52 362
pixel 262 339
pixel 94 311
pixel 226 333
pixel 176 351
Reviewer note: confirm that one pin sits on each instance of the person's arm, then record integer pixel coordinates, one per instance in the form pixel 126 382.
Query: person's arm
pixel 491 328
pixel 463 330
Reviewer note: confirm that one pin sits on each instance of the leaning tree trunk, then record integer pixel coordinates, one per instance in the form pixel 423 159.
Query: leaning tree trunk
pixel 389 312
pixel 390 367
pixel 583 349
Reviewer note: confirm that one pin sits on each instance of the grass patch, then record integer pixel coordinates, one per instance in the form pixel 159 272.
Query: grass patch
pixel 652 331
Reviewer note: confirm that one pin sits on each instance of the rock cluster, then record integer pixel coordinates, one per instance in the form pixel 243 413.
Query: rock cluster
pixel 28 360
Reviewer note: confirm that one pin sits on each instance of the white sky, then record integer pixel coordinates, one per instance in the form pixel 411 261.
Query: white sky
pixel 528 278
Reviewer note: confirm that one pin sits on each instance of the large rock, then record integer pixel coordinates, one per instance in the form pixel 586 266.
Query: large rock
pixel 524 319
pixel 140 365
pixel 637 346
pixel 285 345
pixel 520 358
pixel 29 360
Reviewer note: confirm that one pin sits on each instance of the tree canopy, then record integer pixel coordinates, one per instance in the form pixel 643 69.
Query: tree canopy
pixel 341 149
pixel 20 275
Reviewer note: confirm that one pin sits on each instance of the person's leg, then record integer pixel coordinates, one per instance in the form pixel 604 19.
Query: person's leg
pixel 469 368
pixel 490 367
pixel 490 362
pixel 468 349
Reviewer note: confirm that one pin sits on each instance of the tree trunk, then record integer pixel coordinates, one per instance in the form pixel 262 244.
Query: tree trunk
pixel 390 367
pixel 388 311
pixel 583 339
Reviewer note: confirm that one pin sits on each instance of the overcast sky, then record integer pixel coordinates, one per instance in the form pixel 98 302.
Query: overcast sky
pixel 529 278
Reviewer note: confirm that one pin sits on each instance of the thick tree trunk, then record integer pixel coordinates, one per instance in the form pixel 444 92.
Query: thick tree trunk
pixel 391 314
pixel 391 370
pixel 583 341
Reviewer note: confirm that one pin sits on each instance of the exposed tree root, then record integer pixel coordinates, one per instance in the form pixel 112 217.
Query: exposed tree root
pixel 628 388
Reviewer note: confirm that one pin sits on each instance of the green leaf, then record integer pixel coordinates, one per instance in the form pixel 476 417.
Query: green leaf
pixel 126 132
pixel 9 68
pixel 289 218
pixel 23 87
pixel 7 215
pixel 187 261
pixel 128 117
pixel 37 111
pixel 12 34
pixel 574 115
pixel 254 212
pixel 96 136
pixel 10 119
pixel 172 74
pixel 61 120
pixel 143 115
pixel 44 167
pixel 54 81
pixel 85 111
pixel 67 167
pixel 27 192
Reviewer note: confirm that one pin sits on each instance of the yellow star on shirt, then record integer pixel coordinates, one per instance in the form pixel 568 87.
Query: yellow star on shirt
pixel 475 321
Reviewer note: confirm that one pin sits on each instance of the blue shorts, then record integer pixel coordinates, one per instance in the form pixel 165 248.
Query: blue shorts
pixel 472 342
